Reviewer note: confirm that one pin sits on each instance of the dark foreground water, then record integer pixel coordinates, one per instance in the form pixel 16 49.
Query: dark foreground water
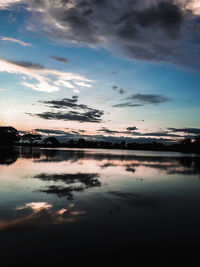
pixel 99 206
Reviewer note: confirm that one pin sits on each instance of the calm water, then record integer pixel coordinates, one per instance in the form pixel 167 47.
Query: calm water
pixel 62 204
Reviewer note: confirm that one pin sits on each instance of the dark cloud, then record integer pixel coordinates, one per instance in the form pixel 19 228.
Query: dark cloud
pixel 165 134
pixel 93 115
pixel 52 132
pixel 122 91
pixel 29 65
pixel 84 113
pixel 89 179
pixel 60 59
pixel 108 131
pixel 139 100
pixel 128 135
pixel 131 131
pixel 65 103
pixel 126 104
pixel 151 30
pixel 149 99
pixel 165 15
pixel 185 130
pixel 77 182
pixel 130 169
pixel 133 128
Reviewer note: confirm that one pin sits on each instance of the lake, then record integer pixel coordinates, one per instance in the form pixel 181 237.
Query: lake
pixel 63 205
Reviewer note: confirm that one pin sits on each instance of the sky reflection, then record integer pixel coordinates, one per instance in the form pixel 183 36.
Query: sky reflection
pixel 146 198
pixel 40 213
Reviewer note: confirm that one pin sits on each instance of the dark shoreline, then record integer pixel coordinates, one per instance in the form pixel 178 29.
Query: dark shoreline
pixel 140 147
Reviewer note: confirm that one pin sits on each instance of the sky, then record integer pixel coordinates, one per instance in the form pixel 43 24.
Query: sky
pixel 101 69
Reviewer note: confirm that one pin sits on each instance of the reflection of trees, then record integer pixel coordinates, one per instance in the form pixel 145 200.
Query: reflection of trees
pixel 75 183
pixel 170 164
pixel 29 152
pixel 50 154
pixel 8 155
pixel 181 165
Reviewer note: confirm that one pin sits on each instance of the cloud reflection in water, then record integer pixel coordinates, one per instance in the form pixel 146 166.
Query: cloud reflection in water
pixel 41 213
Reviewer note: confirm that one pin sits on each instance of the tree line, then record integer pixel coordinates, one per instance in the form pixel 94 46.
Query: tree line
pixel 9 136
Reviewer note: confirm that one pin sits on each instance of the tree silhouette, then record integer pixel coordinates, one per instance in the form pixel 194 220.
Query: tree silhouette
pixel 8 136
pixel 31 138
pixel 51 140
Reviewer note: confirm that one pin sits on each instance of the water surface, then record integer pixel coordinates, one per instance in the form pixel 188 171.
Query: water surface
pixel 72 202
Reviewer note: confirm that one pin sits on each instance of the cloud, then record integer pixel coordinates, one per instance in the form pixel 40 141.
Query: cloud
pixel 60 133
pixel 39 78
pixel 108 131
pixel 133 128
pixel 29 65
pixel 113 136
pixel 60 59
pixel 122 91
pixel 154 30
pixel 75 182
pixel 161 134
pixel 86 114
pixel 126 104
pixel 139 100
pixel 131 131
pixel 65 103
pixel 13 40
pixel 36 206
pixel 149 99
pixel 89 116
pixel 82 84
pixel 51 132
pixel 5 4
pixel 186 130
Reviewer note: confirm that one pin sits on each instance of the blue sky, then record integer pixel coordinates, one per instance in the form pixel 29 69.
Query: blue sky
pixel 51 51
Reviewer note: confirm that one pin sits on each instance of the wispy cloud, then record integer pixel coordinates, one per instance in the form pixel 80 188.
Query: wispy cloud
pixel 60 59
pixel 13 40
pixel 51 131
pixel 39 78
pixel 28 65
pixel 5 4
pixel 139 100
pixel 194 131
pixel 149 98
